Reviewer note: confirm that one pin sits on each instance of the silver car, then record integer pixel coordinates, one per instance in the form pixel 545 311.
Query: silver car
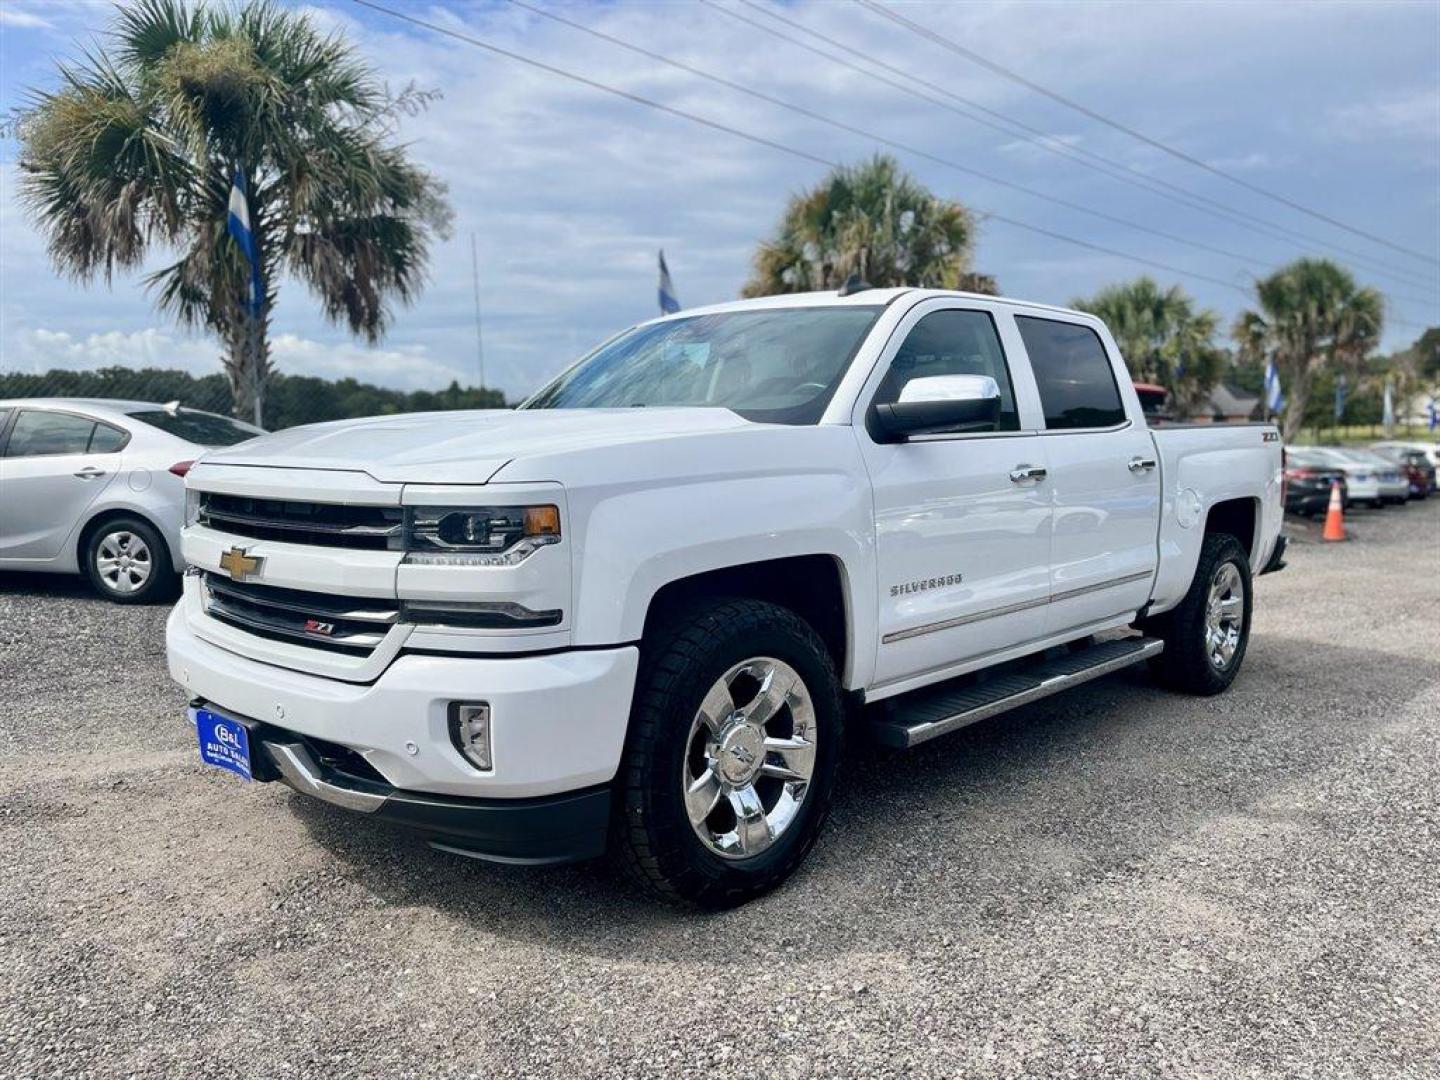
pixel 97 487
pixel 1391 481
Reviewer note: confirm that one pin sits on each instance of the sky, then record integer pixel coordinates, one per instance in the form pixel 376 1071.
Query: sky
pixel 569 192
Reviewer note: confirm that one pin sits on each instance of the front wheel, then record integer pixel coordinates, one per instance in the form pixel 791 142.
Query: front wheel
pixel 1206 634
pixel 735 739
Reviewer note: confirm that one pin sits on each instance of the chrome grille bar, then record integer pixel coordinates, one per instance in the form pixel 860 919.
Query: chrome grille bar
pixel 374 528
pixel 338 624
pixel 304 603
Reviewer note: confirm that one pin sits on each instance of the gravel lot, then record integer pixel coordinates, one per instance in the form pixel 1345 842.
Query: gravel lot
pixel 1114 882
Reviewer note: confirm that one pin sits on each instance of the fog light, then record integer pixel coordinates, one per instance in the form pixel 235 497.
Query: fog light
pixel 470 732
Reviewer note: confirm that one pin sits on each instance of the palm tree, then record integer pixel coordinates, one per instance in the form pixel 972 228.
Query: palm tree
pixel 1312 316
pixel 873 220
pixel 139 146
pixel 1164 338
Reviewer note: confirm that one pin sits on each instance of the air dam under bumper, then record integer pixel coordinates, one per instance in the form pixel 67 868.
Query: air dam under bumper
pixel 548 829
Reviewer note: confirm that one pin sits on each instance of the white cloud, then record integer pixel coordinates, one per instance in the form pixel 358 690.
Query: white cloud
pixel 1412 116
pixel 17 16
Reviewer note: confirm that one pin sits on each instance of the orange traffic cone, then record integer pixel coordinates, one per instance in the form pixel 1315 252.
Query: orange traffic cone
pixel 1335 516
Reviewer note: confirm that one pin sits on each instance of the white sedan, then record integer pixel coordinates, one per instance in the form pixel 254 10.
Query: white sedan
pixel 97 487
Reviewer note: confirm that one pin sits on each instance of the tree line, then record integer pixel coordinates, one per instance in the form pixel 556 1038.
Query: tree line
pixel 291 399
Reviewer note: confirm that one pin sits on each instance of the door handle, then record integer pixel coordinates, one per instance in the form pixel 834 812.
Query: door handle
pixel 1142 464
pixel 90 473
pixel 1021 473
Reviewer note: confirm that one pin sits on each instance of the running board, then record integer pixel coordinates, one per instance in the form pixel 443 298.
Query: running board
pixel 922 715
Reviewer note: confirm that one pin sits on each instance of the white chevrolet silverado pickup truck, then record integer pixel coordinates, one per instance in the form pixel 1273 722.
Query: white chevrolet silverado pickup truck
pixel 644 610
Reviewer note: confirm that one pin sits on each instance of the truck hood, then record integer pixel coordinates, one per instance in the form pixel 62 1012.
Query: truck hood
pixel 467 447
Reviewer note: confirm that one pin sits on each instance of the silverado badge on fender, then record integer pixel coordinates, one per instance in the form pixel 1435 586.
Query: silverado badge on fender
pixel 240 565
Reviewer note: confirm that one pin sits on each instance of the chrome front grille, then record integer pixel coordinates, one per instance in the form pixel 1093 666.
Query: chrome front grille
pixel 353 625
pixel 374 528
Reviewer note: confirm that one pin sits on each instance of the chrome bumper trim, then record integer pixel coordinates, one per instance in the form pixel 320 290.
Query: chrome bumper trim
pixel 299 770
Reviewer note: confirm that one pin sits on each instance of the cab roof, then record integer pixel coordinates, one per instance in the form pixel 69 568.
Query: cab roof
pixel 862 298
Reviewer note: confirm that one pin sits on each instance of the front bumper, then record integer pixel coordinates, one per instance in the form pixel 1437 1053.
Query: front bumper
pixel 548 829
pixel 558 720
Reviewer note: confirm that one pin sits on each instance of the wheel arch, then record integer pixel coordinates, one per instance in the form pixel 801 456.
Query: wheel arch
pixel 1239 518
pixel 812 586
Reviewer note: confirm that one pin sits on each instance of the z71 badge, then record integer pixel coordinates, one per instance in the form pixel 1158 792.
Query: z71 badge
pixel 925 584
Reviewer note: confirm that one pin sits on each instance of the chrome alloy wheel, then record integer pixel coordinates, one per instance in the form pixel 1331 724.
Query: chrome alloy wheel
pixel 124 561
pixel 749 757
pixel 1224 616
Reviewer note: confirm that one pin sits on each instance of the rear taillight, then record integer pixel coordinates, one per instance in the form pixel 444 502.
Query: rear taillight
pixel 180 468
pixel 1300 474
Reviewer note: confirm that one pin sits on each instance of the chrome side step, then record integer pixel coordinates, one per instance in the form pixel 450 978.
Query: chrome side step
pixel 926 714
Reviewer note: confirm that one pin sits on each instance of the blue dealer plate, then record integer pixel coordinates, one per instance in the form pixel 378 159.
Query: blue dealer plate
pixel 223 742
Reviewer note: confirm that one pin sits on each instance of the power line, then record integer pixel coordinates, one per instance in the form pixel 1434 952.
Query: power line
pixel 877 137
pixel 761 140
pixel 1008 125
pixel 1084 110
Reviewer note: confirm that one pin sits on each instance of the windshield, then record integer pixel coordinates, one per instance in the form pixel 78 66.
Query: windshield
pixel 203 428
pixel 778 366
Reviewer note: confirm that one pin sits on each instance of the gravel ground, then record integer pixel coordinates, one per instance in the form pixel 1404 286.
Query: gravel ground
pixel 1116 882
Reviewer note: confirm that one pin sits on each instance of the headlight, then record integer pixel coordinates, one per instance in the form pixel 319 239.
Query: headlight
pixel 192 506
pixel 478 535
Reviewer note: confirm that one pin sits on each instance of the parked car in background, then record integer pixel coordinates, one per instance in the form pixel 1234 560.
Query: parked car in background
pixel 1362 484
pixel 1431 450
pixel 1415 466
pixel 1308 479
pixel 98 487
pixel 1371 479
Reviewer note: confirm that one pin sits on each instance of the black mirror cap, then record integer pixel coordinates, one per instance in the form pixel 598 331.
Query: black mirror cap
pixel 899 420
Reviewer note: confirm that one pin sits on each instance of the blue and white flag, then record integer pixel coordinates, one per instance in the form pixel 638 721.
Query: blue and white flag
pixel 1387 415
pixel 1274 395
pixel 1434 409
pixel 1339 397
pixel 669 302
pixel 238 226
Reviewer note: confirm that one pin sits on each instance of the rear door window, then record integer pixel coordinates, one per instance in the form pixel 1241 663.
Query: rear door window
pixel 43 434
pixel 1076 381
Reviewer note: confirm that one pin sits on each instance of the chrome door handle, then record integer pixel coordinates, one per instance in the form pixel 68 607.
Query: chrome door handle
pixel 90 473
pixel 1142 464
pixel 1021 473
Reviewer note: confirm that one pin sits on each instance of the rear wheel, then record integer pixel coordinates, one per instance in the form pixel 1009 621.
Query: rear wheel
pixel 735 738
pixel 1206 634
pixel 128 562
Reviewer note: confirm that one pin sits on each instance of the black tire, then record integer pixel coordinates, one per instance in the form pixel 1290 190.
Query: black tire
pixel 1186 664
pixel 159 582
pixel 652 837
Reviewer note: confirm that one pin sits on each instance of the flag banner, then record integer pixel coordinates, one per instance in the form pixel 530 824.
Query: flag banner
pixel 1387 416
pixel 237 224
pixel 1434 410
pixel 669 302
pixel 1339 398
pixel 1274 395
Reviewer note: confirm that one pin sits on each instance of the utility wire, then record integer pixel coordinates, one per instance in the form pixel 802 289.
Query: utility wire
pixel 1117 170
pixel 882 139
pixel 761 140
pixel 1084 110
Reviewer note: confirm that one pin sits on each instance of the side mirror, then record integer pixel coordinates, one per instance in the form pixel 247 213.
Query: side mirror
pixel 940 405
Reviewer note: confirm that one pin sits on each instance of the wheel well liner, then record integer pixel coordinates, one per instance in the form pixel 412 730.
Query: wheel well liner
pixel 812 586
pixel 1236 517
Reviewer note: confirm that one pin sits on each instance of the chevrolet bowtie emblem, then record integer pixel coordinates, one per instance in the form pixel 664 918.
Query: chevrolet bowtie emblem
pixel 239 565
